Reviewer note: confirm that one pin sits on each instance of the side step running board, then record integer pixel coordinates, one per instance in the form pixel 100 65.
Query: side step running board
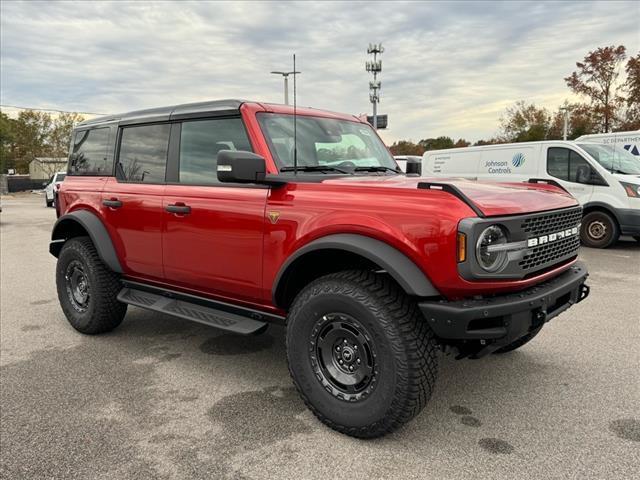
pixel 213 317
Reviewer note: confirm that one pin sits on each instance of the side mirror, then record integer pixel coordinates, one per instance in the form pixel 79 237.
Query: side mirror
pixel 237 166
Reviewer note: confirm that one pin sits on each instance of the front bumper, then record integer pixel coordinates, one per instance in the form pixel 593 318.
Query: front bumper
pixel 498 321
pixel 629 220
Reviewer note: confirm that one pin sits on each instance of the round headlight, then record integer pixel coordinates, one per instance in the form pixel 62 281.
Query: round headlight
pixel 491 259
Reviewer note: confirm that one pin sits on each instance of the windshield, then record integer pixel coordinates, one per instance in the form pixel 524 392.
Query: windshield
pixel 614 158
pixel 60 177
pixel 324 142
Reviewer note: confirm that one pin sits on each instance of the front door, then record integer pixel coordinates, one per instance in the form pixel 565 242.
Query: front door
pixel 572 171
pixel 213 232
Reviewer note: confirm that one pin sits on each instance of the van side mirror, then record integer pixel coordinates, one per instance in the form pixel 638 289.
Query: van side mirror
pixel 238 166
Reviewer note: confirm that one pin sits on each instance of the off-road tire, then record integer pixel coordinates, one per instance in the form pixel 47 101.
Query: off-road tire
pixel 594 222
pixel 518 343
pixel 103 311
pixel 406 352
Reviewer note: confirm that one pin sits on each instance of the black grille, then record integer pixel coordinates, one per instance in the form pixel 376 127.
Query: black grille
pixel 551 222
pixel 543 255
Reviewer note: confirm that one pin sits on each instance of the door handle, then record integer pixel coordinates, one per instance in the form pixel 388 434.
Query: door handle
pixel 178 208
pixel 112 203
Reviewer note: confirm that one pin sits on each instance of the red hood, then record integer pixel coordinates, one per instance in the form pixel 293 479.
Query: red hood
pixel 493 199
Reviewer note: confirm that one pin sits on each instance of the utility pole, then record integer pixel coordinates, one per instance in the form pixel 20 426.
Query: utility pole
pixel 375 67
pixel 565 111
pixel 285 75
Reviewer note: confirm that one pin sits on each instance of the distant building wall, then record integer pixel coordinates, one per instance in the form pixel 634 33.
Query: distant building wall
pixel 44 168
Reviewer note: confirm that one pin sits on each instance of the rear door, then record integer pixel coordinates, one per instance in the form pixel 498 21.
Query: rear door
pixel 132 201
pixel 213 232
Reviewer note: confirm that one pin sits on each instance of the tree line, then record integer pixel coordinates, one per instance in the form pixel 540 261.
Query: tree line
pixel 34 134
pixel 606 81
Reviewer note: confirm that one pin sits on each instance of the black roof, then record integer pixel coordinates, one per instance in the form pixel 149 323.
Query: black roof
pixel 186 110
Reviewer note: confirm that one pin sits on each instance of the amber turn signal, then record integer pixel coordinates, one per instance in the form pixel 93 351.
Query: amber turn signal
pixel 462 247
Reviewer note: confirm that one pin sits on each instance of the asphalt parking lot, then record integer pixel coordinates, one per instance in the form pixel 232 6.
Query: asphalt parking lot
pixel 161 398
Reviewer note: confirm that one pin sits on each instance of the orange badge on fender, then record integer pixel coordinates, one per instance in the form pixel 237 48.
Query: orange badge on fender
pixel 274 216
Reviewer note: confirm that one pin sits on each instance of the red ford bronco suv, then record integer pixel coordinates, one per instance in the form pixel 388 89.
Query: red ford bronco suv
pixel 238 214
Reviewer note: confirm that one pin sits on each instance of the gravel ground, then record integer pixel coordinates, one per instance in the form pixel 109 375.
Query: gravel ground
pixel 162 398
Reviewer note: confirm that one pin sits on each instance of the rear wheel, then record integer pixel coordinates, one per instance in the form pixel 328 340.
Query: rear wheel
pixel 599 230
pixel 360 353
pixel 87 289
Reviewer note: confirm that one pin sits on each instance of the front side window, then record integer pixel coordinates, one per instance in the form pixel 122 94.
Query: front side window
pixel 143 153
pixel 568 165
pixel 324 142
pixel 89 153
pixel 200 142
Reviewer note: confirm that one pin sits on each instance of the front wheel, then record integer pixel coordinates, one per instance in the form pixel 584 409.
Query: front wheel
pixel 360 353
pixel 87 289
pixel 599 230
pixel 48 203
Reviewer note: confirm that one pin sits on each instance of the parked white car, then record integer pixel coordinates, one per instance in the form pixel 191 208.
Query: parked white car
pixel 50 188
pixel 605 179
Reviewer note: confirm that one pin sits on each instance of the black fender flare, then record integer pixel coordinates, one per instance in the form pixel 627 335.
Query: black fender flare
pixel 98 233
pixel 402 269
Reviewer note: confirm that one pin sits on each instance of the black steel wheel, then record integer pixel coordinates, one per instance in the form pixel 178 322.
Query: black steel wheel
pixel 343 356
pixel 77 286
pixel 360 353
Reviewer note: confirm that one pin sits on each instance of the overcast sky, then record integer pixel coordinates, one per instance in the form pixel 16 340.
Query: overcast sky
pixel 448 68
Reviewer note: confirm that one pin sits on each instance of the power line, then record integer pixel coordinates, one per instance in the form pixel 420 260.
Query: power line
pixel 49 110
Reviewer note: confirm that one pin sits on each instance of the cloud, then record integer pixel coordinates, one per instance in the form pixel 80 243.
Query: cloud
pixel 449 68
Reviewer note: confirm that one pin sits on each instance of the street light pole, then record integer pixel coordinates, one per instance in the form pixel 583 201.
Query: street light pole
pixel 285 75
pixel 565 129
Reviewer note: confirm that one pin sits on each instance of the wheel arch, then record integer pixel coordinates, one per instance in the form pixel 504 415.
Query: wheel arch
pixel 601 207
pixel 81 223
pixel 345 251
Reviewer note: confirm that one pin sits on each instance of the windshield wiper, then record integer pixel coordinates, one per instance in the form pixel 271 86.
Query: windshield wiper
pixel 313 168
pixel 376 168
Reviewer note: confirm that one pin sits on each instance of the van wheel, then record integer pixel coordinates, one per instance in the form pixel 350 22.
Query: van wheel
pixel 360 354
pixel 48 202
pixel 599 230
pixel 87 289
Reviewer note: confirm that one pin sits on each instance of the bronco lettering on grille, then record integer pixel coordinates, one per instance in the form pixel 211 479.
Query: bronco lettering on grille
pixel 552 237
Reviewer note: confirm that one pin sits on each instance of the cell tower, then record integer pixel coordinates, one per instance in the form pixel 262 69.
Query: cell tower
pixel 375 67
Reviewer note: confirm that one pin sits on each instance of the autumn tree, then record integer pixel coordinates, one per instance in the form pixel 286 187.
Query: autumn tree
pixel 439 143
pixel 7 142
pixel 581 121
pixel 406 147
pixel 632 89
pixel 524 122
pixel 596 79
pixel 60 134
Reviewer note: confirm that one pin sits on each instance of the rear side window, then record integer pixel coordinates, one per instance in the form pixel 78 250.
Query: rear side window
pixel 200 142
pixel 567 165
pixel 89 153
pixel 143 153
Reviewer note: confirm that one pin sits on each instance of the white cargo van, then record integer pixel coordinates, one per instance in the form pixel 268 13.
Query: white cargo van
pixel 630 141
pixel 604 178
